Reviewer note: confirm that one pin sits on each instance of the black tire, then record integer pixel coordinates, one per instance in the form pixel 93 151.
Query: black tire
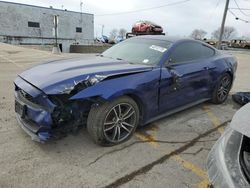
pixel 222 89
pixel 101 116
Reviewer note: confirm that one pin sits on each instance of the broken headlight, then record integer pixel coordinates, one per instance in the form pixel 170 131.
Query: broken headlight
pixel 96 79
pixel 78 86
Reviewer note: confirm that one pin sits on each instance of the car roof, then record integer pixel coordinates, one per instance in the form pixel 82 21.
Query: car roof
pixel 172 39
pixel 163 37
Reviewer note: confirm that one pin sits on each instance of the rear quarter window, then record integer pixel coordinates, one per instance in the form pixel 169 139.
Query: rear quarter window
pixel 207 52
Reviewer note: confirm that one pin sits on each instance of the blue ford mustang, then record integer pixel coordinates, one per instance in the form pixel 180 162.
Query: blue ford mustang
pixel 131 84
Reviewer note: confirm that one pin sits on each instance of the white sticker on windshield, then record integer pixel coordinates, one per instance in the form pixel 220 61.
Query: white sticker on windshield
pixel 158 48
pixel 145 61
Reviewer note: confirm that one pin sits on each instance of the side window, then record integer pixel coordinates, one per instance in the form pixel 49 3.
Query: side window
pixel 207 52
pixel 190 51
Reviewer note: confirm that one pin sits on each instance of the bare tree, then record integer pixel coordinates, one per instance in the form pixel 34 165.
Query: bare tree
pixel 198 34
pixel 122 33
pixel 229 33
pixel 113 34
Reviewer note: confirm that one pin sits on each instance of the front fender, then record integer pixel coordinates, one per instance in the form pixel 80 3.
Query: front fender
pixel 144 86
pixel 106 90
pixel 113 88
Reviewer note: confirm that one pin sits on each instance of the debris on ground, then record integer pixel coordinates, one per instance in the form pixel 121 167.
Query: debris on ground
pixel 241 98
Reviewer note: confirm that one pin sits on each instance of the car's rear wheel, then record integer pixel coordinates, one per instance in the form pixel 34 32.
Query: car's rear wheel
pixel 113 122
pixel 222 89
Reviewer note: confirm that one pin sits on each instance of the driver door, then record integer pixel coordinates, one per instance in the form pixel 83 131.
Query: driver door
pixel 185 78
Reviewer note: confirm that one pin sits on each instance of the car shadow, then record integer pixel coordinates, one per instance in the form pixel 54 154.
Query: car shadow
pixel 82 143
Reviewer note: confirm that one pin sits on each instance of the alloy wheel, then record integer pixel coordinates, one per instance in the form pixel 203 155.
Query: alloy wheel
pixel 224 88
pixel 119 123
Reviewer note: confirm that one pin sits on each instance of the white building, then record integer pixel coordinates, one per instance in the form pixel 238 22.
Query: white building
pixel 32 25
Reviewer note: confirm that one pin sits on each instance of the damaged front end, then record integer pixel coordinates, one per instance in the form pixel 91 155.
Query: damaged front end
pixel 68 115
pixel 48 116
pixel 53 107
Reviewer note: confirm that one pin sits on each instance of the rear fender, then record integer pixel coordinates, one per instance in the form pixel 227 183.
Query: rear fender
pixel 223 65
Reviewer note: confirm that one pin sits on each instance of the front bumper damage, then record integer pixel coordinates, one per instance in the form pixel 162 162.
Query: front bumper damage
pixel 45 117
pixel 223 164
pixel 25 125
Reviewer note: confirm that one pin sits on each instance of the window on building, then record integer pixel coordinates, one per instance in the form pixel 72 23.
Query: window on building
pixel 78 29
pixel 33 24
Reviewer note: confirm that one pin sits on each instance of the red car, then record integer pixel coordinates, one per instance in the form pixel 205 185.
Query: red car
pixel 146 27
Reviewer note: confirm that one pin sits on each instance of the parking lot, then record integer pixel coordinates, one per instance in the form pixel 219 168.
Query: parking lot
pixel 170 152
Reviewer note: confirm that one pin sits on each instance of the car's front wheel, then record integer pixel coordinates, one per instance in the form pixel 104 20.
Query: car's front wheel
pixel 222 89
pixel 113 122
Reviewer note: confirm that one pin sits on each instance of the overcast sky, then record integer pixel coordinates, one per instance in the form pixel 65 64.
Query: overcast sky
pixel 177 20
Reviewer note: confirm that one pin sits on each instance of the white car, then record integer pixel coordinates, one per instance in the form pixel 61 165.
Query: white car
pixel 228 162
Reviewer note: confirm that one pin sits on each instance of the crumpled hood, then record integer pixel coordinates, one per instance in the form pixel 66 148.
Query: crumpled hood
pixel 49 77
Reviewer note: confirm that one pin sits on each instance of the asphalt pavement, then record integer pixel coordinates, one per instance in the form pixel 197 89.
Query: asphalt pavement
pixel 170 152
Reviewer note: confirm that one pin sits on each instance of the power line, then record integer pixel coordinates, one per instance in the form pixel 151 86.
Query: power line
pixel 217 4
pixel 231 12
pixel 212 12
pixel 240 9
pixel 237 18
pixel 145 9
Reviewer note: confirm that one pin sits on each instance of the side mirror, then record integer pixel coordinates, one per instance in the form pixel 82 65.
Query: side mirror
pixel 168 66
pixel 168 63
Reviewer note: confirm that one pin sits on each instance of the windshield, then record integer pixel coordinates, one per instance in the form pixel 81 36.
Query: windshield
pixel 139 50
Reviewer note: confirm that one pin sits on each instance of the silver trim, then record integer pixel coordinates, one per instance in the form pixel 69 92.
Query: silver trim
pixel 168 113
pixel 33 136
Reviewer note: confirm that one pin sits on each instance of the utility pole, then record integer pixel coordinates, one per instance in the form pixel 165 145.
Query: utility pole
pixel 56 28
pixel 102 29
pixel 223 24
pixel 56 49
pixel 81 4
